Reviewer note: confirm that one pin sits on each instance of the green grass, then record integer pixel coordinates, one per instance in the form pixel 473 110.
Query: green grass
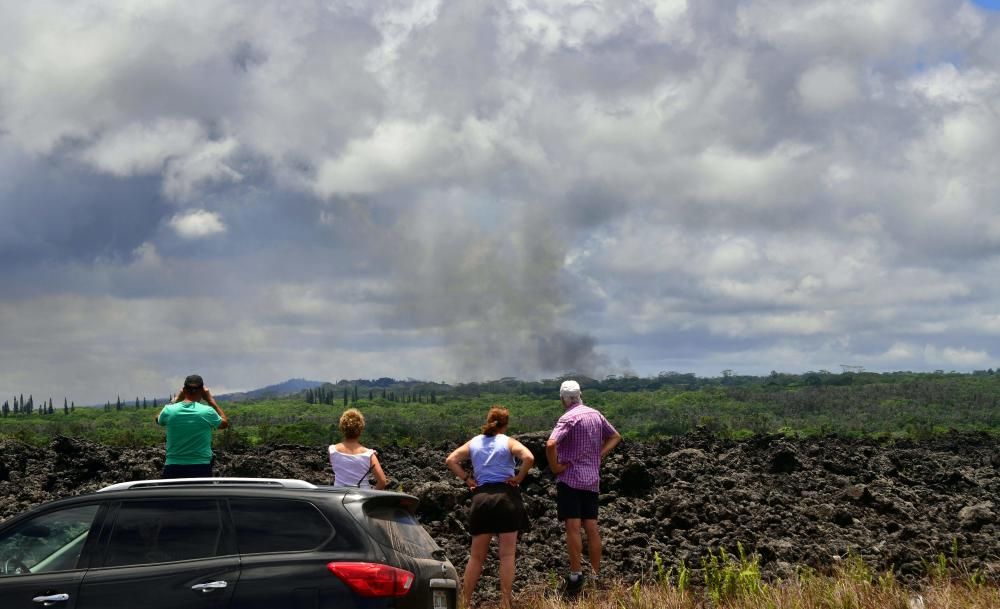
pixel 915 406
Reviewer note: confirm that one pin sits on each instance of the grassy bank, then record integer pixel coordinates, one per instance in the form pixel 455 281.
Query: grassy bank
pixel 915 406
pixel 815 593
pixel 850 587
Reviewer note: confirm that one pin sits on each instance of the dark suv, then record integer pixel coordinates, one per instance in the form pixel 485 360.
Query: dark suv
pixel 224 542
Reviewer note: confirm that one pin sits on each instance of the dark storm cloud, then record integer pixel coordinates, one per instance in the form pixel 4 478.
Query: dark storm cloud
pixel 60 212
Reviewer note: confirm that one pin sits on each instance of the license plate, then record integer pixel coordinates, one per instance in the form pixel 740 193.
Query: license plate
pixel 440 598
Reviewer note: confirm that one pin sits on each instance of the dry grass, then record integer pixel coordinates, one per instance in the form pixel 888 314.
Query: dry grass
pixel 733 581
pixel 842 591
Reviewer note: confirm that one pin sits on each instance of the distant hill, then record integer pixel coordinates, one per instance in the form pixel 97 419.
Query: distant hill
pixel 289 387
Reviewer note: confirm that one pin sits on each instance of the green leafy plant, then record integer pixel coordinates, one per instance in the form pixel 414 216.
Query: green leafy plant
pixel 730 577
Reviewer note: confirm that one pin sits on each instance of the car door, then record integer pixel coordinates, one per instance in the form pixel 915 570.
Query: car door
pixel 42 560
pixel 279 562
pixel 164 553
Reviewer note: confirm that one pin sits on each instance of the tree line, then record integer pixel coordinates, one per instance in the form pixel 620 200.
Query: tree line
pixel 18 405
pixel 331 394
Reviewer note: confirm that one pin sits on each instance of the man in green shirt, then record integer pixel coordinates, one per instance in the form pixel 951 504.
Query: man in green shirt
pixel 189 422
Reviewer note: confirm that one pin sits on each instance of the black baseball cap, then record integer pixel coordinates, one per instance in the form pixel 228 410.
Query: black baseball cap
pixel 194 381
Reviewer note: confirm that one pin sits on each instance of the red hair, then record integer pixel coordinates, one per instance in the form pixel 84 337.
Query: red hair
pixel 497 418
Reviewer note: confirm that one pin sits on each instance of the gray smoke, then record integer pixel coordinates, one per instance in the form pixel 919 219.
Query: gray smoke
pixel 497 297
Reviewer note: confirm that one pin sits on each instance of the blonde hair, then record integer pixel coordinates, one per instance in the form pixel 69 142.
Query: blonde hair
pixel 352 423
pixel 497 418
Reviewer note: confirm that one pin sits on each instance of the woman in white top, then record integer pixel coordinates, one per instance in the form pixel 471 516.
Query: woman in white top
pixel 351 462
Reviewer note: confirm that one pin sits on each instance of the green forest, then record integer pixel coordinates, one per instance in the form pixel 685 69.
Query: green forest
pixel 882 405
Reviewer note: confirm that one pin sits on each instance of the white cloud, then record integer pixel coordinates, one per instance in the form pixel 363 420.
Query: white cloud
pixel 956 357
pixel 147 258
pixel 760 180
pixel 138 148
pixel 401 154
pixel 900 352
pixel 197 224
pixel 209 163
pixel 825 88
pixel 946 84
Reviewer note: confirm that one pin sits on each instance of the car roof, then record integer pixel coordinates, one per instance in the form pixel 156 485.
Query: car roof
pixel 211 487
pixel 286 487
pixel 203 482
pixel 215 487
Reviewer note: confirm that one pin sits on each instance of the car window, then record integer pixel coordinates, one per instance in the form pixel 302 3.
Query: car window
pixel 278 525
pixel 166 531
pixel 397 528
pixel 49 542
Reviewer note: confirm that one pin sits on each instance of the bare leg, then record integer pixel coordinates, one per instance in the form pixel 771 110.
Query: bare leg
pixel 574 543
pixel 593 544
pixel 508 547
pixel 474 568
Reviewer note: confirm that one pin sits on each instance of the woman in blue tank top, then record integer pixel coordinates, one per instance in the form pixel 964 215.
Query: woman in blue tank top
pixel 497 508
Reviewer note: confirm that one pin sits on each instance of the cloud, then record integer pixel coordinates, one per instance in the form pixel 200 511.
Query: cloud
pixel 143 149
pixel 462 190
pixel 824 88
pixel 177 150
pixel 957 357
pixel 197 224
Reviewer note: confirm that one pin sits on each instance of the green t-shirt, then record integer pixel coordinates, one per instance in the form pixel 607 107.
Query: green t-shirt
pixel 189 432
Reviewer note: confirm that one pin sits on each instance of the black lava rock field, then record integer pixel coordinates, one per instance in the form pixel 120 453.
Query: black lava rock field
pixel 793 502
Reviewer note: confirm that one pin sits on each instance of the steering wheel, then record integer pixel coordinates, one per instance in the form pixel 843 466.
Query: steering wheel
pixel 14 566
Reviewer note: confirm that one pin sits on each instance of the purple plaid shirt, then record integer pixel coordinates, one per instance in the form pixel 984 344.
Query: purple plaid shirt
pixel 579 435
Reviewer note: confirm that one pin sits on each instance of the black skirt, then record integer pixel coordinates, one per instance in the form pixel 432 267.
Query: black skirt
pixel 497 508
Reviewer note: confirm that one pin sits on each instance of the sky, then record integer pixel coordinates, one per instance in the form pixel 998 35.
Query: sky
pixel 460 191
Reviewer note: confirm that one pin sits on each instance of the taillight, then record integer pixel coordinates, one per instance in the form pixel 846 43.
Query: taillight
pixel 372 579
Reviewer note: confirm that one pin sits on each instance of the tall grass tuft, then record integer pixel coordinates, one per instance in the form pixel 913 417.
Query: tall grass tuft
pixel 730 577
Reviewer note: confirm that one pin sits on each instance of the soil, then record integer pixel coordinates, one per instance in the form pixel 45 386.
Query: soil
pixel 795 503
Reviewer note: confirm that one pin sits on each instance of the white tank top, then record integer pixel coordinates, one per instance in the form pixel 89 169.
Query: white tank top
pixel 349 470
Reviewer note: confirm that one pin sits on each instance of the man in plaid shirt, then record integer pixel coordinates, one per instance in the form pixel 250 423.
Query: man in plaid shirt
pixel 580 440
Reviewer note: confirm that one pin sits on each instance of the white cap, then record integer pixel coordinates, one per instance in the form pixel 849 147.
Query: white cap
pixel 569 389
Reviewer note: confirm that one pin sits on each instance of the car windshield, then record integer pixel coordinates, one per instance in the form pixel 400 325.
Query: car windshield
pixel 50 542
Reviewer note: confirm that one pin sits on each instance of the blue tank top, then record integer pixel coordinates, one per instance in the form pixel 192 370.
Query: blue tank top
pixel 491 459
